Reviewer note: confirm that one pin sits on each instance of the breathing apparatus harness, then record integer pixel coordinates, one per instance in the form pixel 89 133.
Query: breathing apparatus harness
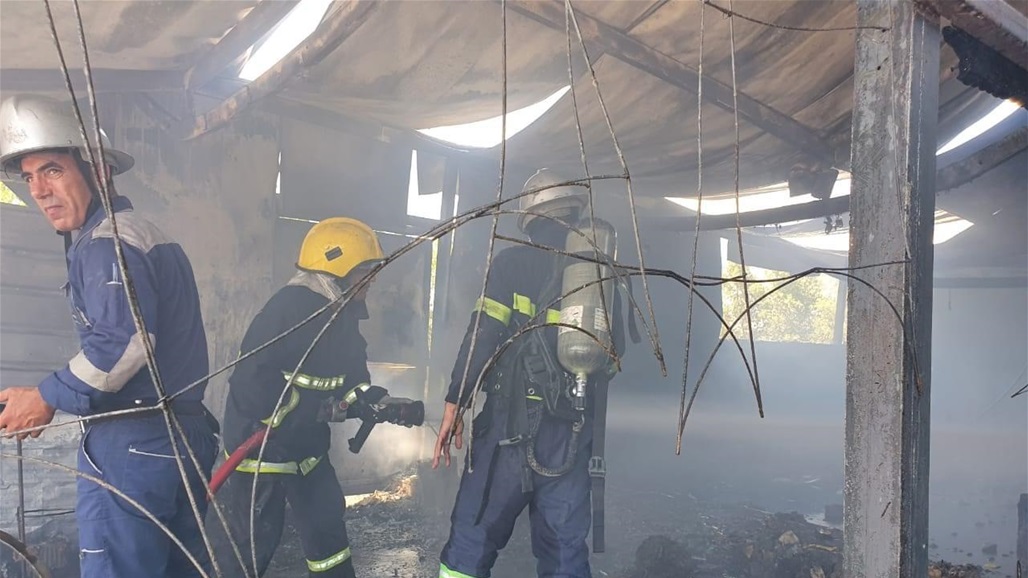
pixel 538 373
pixel 567 376
pixel 529 369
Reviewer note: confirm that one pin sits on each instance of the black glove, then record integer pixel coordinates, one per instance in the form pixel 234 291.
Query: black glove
pixel 365 399
pixel 372 395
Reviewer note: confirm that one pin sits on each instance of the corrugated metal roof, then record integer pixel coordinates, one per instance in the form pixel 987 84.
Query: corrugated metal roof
pixel 123 34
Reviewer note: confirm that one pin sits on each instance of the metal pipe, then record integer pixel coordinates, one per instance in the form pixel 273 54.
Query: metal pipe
pixel 20 515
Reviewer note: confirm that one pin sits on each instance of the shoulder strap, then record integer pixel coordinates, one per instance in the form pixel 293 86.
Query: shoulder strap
pixel 597 465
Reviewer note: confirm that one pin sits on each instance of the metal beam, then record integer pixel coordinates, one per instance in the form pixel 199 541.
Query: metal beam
pixel 980 282
pixel 371 129
pixel 812 210
pixel 368 129
pixel 1022 533
pixel 888 360
pixel 950 177
pixel 104 80
pixel 995 23
pixel 243 35
pixel 635 53
pixel 337 27
pixel 963 172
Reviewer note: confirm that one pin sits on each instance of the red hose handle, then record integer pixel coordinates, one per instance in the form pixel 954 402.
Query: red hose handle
pixel 253 442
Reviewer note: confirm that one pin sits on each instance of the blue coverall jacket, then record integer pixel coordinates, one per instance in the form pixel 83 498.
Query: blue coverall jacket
pixel 134 454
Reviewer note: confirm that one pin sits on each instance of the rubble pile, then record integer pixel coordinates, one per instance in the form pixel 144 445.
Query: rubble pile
pixel 662 557
pixel 749 544
pixel 396 538
pixel 396 533
pixel 946 570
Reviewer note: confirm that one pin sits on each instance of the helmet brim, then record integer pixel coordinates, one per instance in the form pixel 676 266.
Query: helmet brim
pixel 120 162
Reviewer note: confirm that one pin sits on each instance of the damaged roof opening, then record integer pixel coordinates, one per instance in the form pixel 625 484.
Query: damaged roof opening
pixel 300 23
pixel 836 236
pixel 769 197
pixel 981 126
pixel 488 133
pixel 947 226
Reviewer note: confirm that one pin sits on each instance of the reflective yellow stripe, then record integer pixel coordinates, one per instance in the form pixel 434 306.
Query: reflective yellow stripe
pixel 251 467
pixel 445 572
pixel 351 396
pixel 317 383
pixel 330 562
pixel 534 397
pixel 494 309
pixel 309 464
pixel 276 419
pixel 524 305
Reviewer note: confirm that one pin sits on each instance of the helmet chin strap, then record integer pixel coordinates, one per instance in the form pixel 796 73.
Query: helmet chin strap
pixel 549 232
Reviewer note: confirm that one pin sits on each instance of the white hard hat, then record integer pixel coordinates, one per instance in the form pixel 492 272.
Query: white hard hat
pixel 36 123
pixel 557 202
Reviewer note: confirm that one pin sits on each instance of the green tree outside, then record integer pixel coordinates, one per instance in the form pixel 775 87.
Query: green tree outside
pixel 8 196
pixel 803 311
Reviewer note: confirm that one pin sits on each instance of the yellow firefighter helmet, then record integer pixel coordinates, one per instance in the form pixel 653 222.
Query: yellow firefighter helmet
pixel 338 245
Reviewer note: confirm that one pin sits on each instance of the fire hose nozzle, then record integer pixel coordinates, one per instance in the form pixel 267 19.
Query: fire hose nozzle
pixel 400 411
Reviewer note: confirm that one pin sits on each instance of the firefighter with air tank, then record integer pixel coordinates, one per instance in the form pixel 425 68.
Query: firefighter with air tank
pixel 548 332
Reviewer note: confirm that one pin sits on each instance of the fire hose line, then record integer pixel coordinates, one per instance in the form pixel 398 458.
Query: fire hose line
pixel 396 410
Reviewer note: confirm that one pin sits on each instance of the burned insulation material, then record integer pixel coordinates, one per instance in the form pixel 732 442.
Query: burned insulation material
pixel 396 534
pixel 399 532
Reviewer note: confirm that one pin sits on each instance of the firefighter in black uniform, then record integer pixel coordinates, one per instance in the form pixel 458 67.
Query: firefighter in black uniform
pixel 336 253
pixel 529 448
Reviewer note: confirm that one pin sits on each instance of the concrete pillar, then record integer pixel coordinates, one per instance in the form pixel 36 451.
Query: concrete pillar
pixel 889 359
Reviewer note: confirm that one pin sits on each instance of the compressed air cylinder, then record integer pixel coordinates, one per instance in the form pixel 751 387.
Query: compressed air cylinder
pixel 582 304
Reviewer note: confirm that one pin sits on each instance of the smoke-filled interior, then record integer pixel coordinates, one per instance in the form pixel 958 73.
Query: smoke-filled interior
pixel 236 160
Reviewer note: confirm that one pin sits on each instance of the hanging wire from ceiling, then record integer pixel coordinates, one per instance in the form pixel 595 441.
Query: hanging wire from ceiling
pixel 616 358
pixel 652 331
pixel 493 210
pixel 494 225
pixel 730 13
pixel 695 240
pixel 738 218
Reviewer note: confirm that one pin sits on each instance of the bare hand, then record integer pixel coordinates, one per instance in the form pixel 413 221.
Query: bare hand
pixel 25 409
pixel 442 442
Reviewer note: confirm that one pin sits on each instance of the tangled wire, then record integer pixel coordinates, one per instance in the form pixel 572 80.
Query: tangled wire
pixel 620 273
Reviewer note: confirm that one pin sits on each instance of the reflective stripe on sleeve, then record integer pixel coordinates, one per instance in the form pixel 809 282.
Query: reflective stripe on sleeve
pixel 276 419
pixel 317 383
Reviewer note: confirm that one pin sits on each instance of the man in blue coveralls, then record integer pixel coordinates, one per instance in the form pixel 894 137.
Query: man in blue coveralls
pixel 40 141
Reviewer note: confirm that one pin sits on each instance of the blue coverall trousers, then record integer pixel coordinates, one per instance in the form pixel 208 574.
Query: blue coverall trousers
pixel 135 455
pixel 489 503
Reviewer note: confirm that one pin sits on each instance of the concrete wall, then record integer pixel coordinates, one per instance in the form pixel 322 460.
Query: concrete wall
pixel 216 196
